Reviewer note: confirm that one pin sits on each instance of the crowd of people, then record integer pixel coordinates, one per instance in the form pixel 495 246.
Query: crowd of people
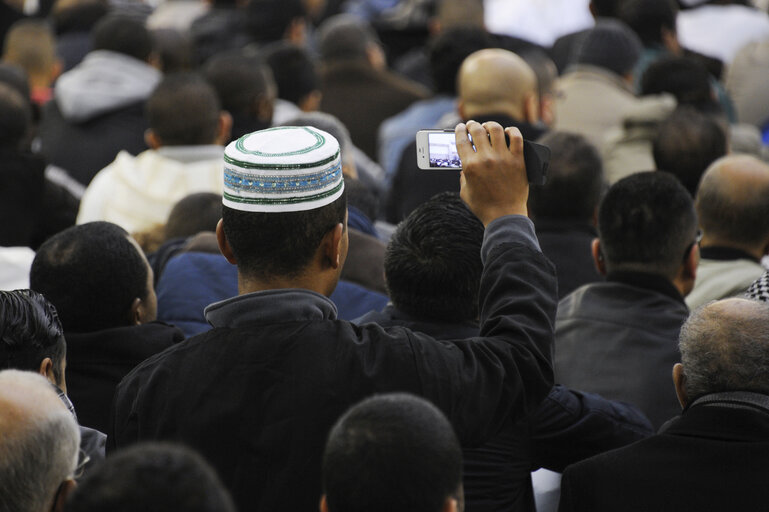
pixel 226 284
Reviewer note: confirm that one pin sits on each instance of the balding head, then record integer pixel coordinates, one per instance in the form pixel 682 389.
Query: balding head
pixel 39 441
pixel 496 81
pixel 725 347
pixel 733 204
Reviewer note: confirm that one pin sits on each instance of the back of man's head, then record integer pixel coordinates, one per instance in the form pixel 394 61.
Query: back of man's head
pixel 449 49
pixel 271 20
pixel 433 264
pixel 124 35
pixel 733 203
pixel 604 8
pixel 683 77
pixel 574 180
pixel 687 142
pixel 295 72
pixel 93 274
pixel 193 214
pixel 184 110
pixel 345 37
pixel 15 118
pixel 610 45
pixel 151 477
pixel 725 347
pixel 497 81
pixel 392 452
pixel 39 441
pixel 650 19
pixel 31 45
pixel 646 222
pixel 30 332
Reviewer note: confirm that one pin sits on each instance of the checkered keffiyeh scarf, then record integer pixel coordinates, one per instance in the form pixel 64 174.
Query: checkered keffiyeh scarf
pixel 759 290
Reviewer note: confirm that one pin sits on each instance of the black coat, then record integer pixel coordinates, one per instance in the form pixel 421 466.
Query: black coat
pixel 258 393
pixel 714 457
pixel 97 361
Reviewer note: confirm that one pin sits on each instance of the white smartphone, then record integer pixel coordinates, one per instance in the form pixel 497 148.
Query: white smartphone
pixel 437 150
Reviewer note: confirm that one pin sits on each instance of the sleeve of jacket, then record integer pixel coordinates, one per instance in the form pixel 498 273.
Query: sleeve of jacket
pixel 506 371
pixel 571 426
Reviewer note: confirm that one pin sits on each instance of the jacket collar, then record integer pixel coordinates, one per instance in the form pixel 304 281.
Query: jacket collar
pixel 734 400
pixel 647 281
pixel 271 306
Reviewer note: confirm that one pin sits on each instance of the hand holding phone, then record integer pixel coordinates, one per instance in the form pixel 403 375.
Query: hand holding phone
pixel 437 150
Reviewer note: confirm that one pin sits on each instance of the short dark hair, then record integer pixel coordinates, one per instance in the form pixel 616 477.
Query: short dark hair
pixel 15 118
pixel 294 69
pixel 449 49
pixel 279 244
pixel 737 217
pixel 605 8
pixel 175 49
pixel 685 78
pixel 345 37
pixel 151 477
pixel 184 110
pixel 268 20
pixel 646 222
pixel 648 18
pixel 30 331
pixel 433 261
pixel 687 142
pixel 239 81
pixel 122 34
pixel 391 452
pixel 193 214
pixel 91 273
pixel 575 180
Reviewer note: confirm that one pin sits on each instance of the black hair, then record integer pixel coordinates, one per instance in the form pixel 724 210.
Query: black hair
pixel 151 477
pixel 268 20
pixel 184 110
pixel 279 244
pixel 175 49
pixel 294 69
pixel 449 49
pixel 239 81
pixel 575 180
pixel 391 452
pixel 646 222
pixel 122 34
pixel 79 17
pixel 30 331
pixel 433 261
pixel 15 118
pixel 685 78
pixel 605 8
pixel 687 142
pixel 648 18
pixel 193 214
pixel 91 273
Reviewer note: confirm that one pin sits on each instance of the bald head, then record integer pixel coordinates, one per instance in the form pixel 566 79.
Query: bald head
pixel 495 81
pixel 725 347
pixel 733 204
pixel 39 441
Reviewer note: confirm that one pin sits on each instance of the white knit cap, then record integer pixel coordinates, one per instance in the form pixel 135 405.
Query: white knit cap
pixel 283 169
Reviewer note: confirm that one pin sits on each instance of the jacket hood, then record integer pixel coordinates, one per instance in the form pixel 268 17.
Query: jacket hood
pixel 104 82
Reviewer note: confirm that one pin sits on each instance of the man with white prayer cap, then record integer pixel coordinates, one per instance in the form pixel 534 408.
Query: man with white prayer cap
pixel 258 393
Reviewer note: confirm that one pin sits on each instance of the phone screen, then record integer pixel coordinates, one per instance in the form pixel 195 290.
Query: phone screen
pixel 442 150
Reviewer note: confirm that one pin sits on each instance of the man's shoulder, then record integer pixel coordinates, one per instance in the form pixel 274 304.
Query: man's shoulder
pixel 600 297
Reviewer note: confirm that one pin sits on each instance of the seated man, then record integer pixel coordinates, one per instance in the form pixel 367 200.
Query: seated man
pixel 392 452
pixel 714 456
pixel 33 341
pixel 433 270
pixel 38 444
pixel 618 338
pixel 101 285
pixel 733 208
pixel 258 393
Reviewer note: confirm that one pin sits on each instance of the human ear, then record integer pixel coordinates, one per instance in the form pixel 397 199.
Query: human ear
pixel 224 244
pixel 600 263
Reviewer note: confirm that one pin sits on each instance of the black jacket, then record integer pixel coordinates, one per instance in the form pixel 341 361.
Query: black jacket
pixel 97 361
pixel 620 339
pixel 258 393
pixel 711 458
pixel 567 427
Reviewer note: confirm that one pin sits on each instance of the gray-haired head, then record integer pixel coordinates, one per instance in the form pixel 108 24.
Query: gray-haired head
pixel 39 441
pixel 345 37
pixel 725 347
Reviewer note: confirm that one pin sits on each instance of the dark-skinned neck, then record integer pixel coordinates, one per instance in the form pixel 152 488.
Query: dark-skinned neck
pixel 316 281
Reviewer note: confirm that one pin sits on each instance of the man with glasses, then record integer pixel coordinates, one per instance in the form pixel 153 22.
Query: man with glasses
pixel 39 442
pixel 618 338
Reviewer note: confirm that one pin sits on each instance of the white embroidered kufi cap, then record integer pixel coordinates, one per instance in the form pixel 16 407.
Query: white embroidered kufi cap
pixel 283 169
